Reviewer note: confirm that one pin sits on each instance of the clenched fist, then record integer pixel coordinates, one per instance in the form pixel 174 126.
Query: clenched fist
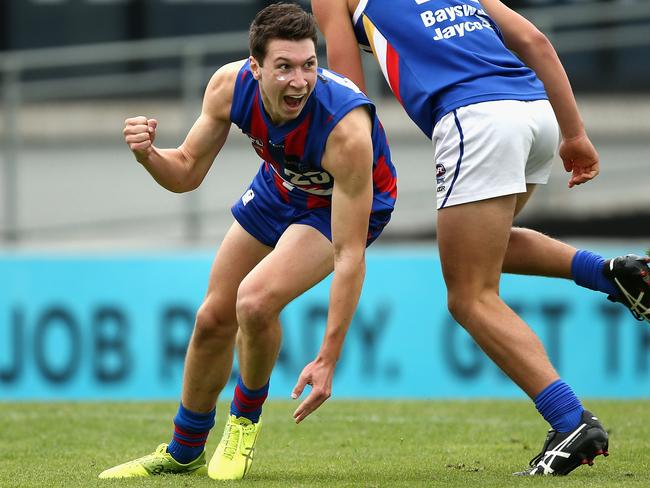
pixel 139 134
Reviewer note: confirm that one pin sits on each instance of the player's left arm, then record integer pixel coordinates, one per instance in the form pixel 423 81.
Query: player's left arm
pixel 343 54
pixel 348 158
pixel 533 47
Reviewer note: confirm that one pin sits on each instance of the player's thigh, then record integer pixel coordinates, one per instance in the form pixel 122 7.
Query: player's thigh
pixel 546 140
pixel 491 149
pixel 481 151
pixel 472 241
pixel 237 255
pixel 302 257
pixel 522 198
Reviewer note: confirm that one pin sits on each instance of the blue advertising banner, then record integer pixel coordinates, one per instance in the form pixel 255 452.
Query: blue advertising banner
pixel 117 327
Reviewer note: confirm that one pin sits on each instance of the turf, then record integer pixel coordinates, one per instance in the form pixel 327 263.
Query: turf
pixel 344 444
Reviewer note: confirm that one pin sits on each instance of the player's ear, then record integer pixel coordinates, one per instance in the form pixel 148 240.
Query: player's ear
pixel 255 67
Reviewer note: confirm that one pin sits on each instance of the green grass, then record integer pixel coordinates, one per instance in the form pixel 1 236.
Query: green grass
pixel 345 443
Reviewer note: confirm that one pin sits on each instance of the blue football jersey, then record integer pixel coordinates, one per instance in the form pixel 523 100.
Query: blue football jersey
pixel 292 152
pixel 439 55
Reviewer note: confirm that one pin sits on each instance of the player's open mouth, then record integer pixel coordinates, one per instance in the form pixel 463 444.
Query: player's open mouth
pixel 293 101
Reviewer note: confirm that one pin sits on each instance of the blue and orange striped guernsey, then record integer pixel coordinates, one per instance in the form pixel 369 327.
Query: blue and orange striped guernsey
pixel 292 152
pixel 439 55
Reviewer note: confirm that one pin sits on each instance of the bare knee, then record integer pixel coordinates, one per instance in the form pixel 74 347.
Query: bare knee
pixel 257 307
pixel 214 323
pixel 457 306
pixel 464 306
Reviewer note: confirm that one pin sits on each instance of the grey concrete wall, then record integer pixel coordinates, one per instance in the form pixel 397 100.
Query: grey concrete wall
pixel 78 186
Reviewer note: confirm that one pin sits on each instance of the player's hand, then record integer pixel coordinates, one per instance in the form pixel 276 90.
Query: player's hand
pixel 580 158
pixel 318 374
pixel 139 134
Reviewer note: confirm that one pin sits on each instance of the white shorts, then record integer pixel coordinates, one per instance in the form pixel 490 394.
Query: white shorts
pixel 490 149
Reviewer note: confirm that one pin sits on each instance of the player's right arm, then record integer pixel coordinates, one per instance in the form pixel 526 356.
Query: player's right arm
pixel 335 22
pixel 348 158
pixel 183 168
pixel 534 49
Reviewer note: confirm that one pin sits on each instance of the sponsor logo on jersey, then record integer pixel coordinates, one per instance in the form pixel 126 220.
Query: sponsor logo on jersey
pixel 463 18
pixel 257 143
pixel 247 197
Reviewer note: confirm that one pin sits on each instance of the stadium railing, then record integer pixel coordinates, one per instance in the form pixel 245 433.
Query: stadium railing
pixel 180 65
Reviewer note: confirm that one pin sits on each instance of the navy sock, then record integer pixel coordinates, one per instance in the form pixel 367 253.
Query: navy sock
pixel 191 431
pixel 587 270
pixel 248 403
pixel 559 406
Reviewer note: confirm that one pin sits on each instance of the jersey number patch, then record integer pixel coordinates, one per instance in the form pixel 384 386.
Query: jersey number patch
pixel 308 178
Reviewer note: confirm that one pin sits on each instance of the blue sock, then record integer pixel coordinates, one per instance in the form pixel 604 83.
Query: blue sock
pixel 191 431
pixel 587 270
pixel 559 406
pixel 248 403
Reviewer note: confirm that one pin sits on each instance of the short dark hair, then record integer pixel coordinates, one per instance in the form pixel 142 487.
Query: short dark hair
pixel 286 21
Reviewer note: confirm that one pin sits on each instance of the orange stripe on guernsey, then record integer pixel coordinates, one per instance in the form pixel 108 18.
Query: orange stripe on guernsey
pixel 386 56
pixel 370 33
